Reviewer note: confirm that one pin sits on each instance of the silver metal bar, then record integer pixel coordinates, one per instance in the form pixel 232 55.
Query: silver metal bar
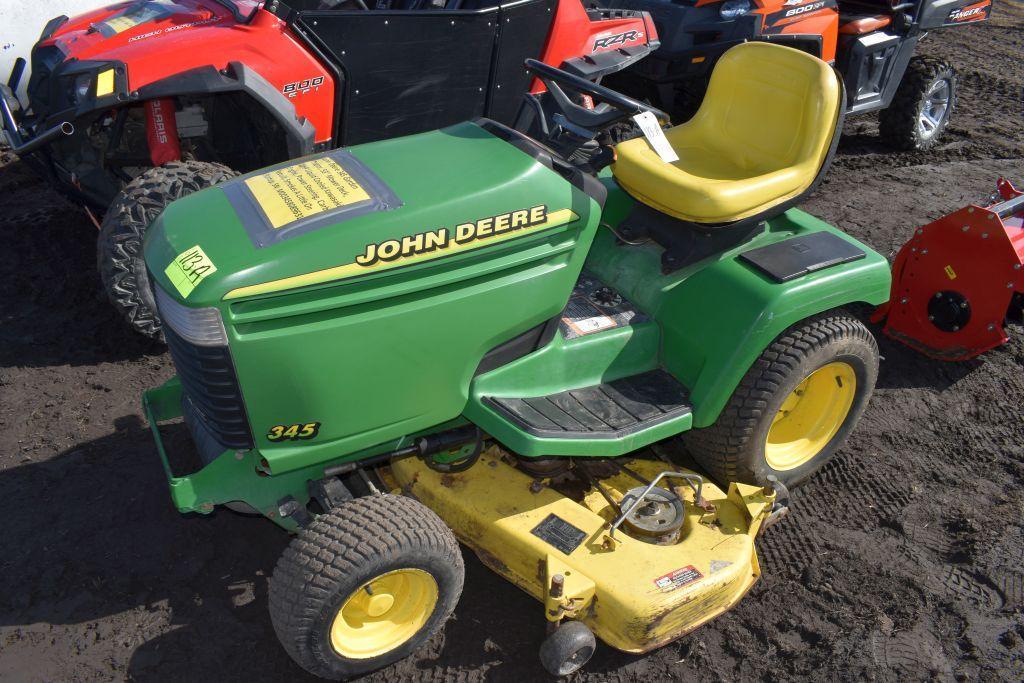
pixel 9 124
pixel 1008 207
pixel 43 138
pixel 697 487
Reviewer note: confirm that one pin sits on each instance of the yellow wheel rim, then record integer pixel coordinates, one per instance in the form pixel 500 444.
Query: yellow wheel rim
pixel 810 416
pixel 384 613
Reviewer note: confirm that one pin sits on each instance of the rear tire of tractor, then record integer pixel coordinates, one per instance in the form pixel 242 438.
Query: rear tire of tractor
pixel 119 256
pixel 796 405
pixel 364 585
pixel 926 83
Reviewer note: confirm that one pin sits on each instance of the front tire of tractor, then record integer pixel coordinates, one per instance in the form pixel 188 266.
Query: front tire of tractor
pixel 920 110
pixel 364 585
pixel 796 405
pixel 119 255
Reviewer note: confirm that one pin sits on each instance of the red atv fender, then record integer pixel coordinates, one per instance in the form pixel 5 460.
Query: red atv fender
pixel 191 46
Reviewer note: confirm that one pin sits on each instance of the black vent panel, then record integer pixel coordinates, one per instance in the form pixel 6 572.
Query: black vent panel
pixel 209 382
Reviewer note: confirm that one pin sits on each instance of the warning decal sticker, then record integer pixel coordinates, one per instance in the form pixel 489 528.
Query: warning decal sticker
pixel 289 194
pixel 594 307
pixel 678 578
pixel 190 268
pixel 298 197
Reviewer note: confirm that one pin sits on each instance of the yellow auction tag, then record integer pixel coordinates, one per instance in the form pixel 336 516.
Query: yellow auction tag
pixel 122 23
pixel 950 273
pixel 305 189
pixel 190 268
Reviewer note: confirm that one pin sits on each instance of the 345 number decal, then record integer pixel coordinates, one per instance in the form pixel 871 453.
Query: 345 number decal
pixel 296 432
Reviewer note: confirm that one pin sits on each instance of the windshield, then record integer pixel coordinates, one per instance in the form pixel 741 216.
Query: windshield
pixel 244 10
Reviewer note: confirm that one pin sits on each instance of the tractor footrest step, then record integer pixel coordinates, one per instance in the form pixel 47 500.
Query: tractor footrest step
pixel 604 411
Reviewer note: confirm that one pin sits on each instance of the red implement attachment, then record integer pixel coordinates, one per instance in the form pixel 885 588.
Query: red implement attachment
pixel 958 279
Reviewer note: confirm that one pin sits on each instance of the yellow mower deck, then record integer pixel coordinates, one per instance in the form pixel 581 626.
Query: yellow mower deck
pixel 635 596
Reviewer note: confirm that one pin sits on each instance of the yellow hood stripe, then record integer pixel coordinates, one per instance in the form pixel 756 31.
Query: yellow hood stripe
pixel 349 270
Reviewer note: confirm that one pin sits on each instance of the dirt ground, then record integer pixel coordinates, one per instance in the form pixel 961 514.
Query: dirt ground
pixel 902 560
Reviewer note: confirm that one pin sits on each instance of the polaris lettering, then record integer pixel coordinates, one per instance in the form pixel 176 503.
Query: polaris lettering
pixel 442 238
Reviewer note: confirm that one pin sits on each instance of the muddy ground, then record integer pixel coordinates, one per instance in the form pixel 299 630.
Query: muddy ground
pixel 903 559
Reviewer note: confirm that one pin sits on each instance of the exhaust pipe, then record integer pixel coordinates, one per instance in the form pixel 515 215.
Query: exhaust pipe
pixel 44 138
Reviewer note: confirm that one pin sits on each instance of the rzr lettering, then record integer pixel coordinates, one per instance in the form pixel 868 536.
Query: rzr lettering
pixel 617 39
pixel 442 238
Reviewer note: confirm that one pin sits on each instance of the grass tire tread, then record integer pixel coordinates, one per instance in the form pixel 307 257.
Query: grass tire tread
pixel 720 448
pixel 336 545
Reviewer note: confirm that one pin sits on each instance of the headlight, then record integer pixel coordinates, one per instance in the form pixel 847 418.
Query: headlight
pixel 80 88
pixel 734 8
pixel 201 326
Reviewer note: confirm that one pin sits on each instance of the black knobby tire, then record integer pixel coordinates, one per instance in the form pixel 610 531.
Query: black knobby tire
pixel 898 123
pixel 119 254
pixel 733 448
pixel 689 96
pixel 341 551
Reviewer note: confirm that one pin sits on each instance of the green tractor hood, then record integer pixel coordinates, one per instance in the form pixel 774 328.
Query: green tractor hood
pixel 352 213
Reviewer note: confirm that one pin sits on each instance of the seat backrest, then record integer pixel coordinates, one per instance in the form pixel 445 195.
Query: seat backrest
pixel 768 107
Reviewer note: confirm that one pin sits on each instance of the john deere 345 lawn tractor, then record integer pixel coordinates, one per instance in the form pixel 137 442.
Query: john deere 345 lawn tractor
pixel 480 335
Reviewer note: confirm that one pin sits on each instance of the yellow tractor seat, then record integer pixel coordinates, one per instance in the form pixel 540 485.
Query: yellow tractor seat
pixel 763 134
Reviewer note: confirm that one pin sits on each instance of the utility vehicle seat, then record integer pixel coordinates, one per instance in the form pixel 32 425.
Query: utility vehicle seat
pixel 760 138
pixel 859 24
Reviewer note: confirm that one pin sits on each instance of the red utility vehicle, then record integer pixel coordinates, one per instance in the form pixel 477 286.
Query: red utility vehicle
pixel 138 103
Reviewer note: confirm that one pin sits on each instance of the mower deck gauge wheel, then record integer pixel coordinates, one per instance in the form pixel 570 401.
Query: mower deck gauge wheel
pixel 567 649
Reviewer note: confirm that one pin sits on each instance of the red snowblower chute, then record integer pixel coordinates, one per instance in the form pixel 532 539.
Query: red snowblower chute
pixel 959 279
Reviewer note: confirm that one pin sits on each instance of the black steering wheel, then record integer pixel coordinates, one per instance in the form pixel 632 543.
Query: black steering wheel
pixel 619 107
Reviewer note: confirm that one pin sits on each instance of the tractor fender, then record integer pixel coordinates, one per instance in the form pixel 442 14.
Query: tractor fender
pixel 717 321
pixel 238 77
